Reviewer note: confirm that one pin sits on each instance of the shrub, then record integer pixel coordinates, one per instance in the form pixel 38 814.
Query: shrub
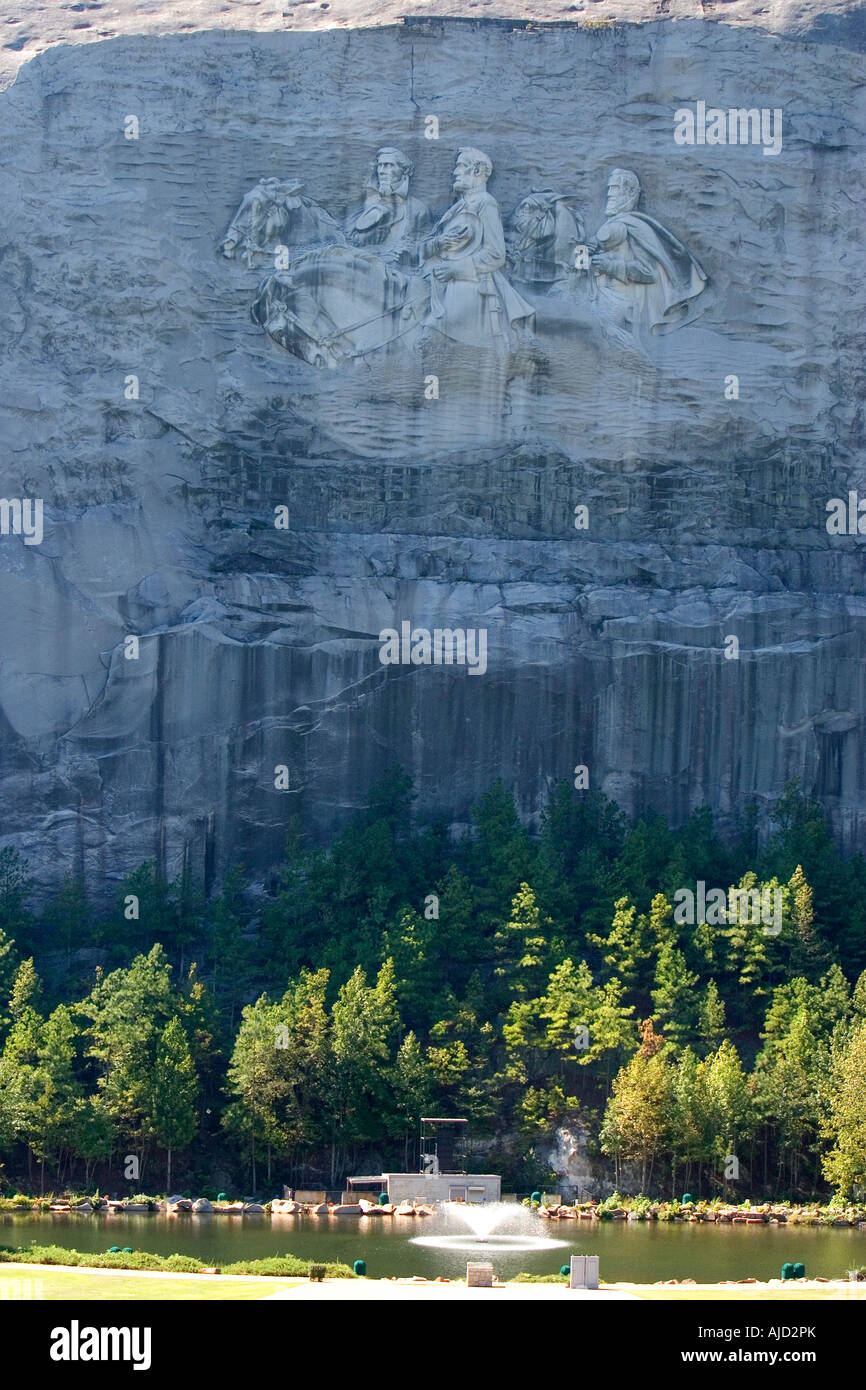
pixel 283 1265
pixel 39 1255
pixel 184 1264
pixel 277 1265
pixel 137 1259
pixel 539 1279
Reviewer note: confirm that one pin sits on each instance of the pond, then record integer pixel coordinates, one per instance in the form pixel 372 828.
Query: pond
pixel 639 1251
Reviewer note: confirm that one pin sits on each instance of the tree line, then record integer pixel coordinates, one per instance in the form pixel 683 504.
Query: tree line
pixel 526 982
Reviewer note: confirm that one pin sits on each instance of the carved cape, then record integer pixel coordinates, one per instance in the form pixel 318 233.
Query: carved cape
pixel 666 302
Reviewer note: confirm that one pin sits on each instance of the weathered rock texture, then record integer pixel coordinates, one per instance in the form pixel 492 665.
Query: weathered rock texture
pixel 259 647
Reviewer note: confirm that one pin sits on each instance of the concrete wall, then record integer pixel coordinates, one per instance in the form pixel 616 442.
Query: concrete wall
pixel 418 1187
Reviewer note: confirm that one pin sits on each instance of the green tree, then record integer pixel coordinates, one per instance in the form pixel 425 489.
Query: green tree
pixel 845 1164
pixel 26 990
pixel 279 1072
pixel 412 1083
pixel 8 967
pixel 624 949
pixel 172 1115
pixel 711 1016
pixel 521 947
pixel 810 956
pixel 411 942
pixel 363 1020
pixel 731 1105
pixel 459 933
pixel 59 1096
pixel 788 1087
pixel 691 1128
pixel 127 1012
pixel 257 1082
pixel 229 916
pixel 636 1123
pixel 675 1000
pixel 502 856
pixel 66 920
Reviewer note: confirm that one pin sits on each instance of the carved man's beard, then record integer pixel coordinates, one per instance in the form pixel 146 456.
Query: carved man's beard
pixel 394 185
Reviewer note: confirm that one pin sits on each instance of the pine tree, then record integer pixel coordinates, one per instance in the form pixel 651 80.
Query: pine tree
pixel 732 1117
pixel 60 1097
pixel 636 1123
pixel 172 1117
pixel 502 856
pixel 623 950
pixel 128 1010
pixel 363 1018
pixel 257 1082
pixel 412 1084
pixel 711 1017
pixel 228 916
pixel 810 956
pixel 66 921
pixel 788 1087
pixel 458 931
pixel 521 947
pixel 569 1003
pixel 26 990
pixel 691 1129
pixel 675 1000
pixel 845 1164
pixel 412 945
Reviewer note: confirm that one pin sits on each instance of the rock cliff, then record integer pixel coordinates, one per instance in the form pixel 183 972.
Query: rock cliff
pixel 162 427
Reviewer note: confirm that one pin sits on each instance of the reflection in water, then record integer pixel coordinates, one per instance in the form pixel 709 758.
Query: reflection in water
pixel 641 1251
pixel 482 1220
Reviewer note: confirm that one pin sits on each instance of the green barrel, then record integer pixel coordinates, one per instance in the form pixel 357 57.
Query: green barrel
pixel 687 1199
pixel 799 1271
pixel 383 1199
pixel 360 1268
pixel 787 1270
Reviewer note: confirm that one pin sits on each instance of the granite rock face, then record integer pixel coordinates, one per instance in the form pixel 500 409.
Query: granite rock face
pixel 162 427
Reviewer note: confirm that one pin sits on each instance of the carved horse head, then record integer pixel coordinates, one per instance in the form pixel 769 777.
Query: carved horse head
pixel 543 232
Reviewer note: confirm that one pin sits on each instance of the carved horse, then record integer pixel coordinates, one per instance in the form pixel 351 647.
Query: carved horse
pixel 339 303
pixel 275 214
pixel 542 235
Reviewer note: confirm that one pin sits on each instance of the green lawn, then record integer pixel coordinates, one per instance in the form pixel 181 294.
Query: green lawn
pixel 95 1285
pixel 744 1293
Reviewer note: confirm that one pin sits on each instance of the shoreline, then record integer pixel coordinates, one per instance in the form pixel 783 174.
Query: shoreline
pixel 365 1289
pixel 702 1212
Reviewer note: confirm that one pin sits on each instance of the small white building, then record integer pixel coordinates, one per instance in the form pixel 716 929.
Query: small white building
pixel 430 1187
pixel 436 1180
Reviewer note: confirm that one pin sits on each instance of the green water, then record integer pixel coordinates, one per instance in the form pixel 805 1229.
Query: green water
pixel 640 1251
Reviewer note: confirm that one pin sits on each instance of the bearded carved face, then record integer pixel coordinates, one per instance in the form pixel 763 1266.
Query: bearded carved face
pixel 391 177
